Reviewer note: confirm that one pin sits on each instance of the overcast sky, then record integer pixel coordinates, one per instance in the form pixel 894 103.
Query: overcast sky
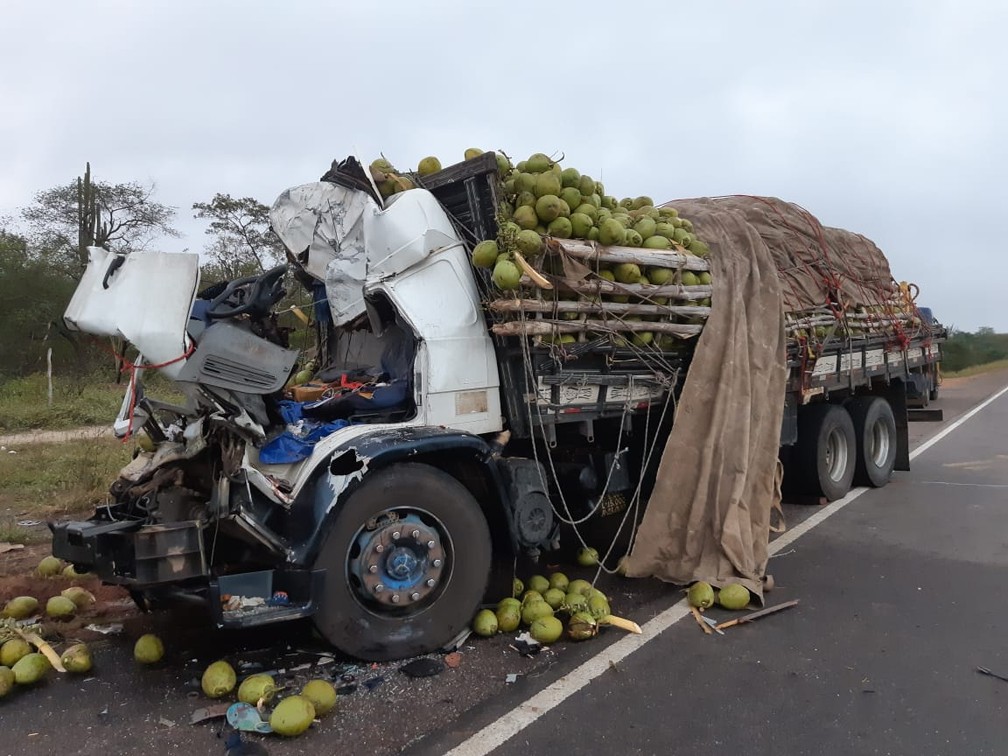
pixel 887 118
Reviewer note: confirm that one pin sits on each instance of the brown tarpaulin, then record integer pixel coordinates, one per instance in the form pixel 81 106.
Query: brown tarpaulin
pixel 708 517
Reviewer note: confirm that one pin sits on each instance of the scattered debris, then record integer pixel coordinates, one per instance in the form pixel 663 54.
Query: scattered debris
pixel 526 645
pixel 166 722
pixel 206 713
pixel 374 682
pixel 511 678
pixel 756 615
pixel 5 547
pixel 985 671
pixel 453 660
pixel 423 667
pixel 235 746
pixel 457 642
pixel 700 621
pixel 246 717
pixel 112 629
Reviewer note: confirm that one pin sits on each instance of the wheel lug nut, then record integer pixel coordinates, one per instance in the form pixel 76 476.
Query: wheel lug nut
pixel 379 548
pixel 395 598
pixel 414 596
pixel 379 588
pixel 396 535
pixel 430 544
pixel 430 583
pixel 373 569
pixel 416 534
pixel 437 562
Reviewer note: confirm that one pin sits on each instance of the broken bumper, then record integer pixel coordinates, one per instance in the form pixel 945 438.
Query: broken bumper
pixel 168 559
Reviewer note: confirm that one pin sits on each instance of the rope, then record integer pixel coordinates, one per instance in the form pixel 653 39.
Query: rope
pixel 132 367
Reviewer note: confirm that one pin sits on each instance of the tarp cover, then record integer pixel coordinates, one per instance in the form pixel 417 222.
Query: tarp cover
pixel 767 257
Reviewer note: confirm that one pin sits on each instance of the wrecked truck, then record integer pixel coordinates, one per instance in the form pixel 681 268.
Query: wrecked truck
pixel 455 433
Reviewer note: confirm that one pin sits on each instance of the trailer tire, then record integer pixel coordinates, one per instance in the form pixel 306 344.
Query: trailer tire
pixel 413 533
pixel 933 391
pixel 826 449
pixel 875 430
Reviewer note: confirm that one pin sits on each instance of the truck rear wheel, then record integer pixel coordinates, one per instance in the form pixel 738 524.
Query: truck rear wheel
pixel 407 562
pixel 875 431
pixel 826 450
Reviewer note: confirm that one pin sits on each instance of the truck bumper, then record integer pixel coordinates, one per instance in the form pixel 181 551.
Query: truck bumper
pixel 128 553
pixel 168 560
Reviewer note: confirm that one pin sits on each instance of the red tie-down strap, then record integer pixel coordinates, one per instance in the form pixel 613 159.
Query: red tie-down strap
pixel 131 367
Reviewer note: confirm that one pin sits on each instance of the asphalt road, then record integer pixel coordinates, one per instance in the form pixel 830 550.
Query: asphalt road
pixel 902 596
pixel 900 600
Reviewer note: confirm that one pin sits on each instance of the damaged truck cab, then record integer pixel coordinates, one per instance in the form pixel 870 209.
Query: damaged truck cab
pixel 395 524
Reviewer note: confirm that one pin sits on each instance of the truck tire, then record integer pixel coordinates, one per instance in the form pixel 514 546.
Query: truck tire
pixel 826 450
pixel 875 431
pixel 407 563
pixel 933 391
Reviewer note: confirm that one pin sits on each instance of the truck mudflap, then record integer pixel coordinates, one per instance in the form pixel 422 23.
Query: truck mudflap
pixel 128 553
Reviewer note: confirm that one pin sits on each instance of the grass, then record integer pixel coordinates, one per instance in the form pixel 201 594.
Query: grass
pixel 11 532
pixel 977 369
pixel 43 480
pixel 77 401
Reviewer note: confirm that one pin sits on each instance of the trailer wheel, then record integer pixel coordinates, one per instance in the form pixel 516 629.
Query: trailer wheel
pixel 407 562
pixel 875 431
pixel 826 450
pixel 933 391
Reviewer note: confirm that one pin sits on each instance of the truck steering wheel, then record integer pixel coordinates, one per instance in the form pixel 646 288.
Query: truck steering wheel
pixel 252 294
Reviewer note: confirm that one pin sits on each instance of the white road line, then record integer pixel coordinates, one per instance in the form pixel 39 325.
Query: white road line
pixel 516 720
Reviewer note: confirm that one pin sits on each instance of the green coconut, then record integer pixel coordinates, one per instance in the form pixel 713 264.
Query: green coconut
pixel 322 695
pixel 704 278
pixel 559 580
pixel 611 232
pixel 218 679
pixel 656 242
pixel 525 216
pixel 689 278
pixel 529 242
pixel 13 651
pixel 517 587
pixel 525 183
pixel 571 196
pixel 6 681
pixel 535 610
pixel 548 208
pixel 472 152
pixel 547 183
pixel 554 597
pixel 546 629
pixel 734 596
pixel 30 669
pixel 700 595
pixel 582 626
pixel 660 276
pixel 508 618
pixel 632 238
pixel 598 607
pixel 256 687
pixel 292 716
pixel 581 225
pixel 50 567
pixel 570 177
pixel 60 607
pixel 506 275
pixel 579 586
pixel 429 165
pixel 560 228
pixel 484 623
pixel 484 254
pixel 148 649
pixel 538 163
pixel 575 602
pixel 80 596
pixel 529 596
pixel 626 273
pixel 77 658
pixel 586 185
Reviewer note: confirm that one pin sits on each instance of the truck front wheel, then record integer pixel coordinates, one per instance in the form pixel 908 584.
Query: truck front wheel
pixel 826 450
pixel 407 562
pixel 875 431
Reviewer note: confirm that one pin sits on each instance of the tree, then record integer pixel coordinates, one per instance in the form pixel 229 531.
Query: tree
pixel 243 242
pixel 124 218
